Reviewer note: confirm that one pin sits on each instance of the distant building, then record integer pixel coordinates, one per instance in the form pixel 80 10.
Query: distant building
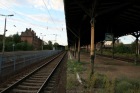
pixel 30 37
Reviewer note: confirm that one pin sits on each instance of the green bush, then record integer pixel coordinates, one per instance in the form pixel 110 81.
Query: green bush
pixel 74 66
pixel 105 85
pixel 122 49
pixel 24 46
pixel 9 46
pixel 123 86
pixel 71 81
pixel 96 81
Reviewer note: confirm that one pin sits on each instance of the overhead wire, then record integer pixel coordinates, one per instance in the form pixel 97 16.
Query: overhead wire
pixel 27 21
pixel 55 13
pixel 50 14
pixel 10 10
pixel 13 11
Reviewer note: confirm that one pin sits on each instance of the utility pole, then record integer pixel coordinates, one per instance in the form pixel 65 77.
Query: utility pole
pixel 55 37
pixel 42 40
pixel 3 48
pixel 13 41
pixel 55 40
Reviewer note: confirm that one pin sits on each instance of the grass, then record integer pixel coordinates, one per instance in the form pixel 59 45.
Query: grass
pixel 102 84
pixel 99 83
pixel 72 81
pixel 72 68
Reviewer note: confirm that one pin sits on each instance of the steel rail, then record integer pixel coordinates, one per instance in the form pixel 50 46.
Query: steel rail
pixel 6 90
pixel 47 80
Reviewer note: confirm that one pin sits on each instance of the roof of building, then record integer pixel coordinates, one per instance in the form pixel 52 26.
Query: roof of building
pixel 119 17
pixel 28 32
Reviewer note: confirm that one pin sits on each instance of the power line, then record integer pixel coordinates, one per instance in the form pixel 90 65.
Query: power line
pixel 54 12
pixel 8 8
pixel 49 13
pixel 15 12
pixel 11 10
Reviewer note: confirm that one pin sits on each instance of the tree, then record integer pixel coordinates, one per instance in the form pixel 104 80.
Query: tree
pixel 50 45
pixel 16 38
pixel 9 38
pixel 9 46
pixel 133 46
pixel 55 45
pixel 1 46
pixel 121 48
pixel 24 46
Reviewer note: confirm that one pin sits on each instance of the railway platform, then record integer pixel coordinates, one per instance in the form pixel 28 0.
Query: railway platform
pixel 113 68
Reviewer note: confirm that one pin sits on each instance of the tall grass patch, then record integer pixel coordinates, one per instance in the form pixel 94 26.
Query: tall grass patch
pixel 102 84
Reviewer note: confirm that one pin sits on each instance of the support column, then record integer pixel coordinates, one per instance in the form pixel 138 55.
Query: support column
pixel 113 41
pixel 137 35
pixel 136 59
pixel 79 49
pixel 87 48
pixel 92 50
pixel 3 47
pixel 75 50
pixel 101 47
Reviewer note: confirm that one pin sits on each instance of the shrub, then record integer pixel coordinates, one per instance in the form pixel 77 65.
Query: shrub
pixel 123 86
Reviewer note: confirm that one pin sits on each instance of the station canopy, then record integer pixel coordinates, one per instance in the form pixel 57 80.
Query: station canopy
pixel 119 17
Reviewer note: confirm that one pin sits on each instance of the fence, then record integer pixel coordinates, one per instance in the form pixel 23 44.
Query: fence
pixel 12 62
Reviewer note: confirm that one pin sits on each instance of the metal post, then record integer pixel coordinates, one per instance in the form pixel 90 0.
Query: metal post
pixel 42 40
pixel 3 48
pixel 24 61
pixel 0 63
pixel 113 47
pixel 136 59
pixel 79 50
pixel 87 48
pixel 92 51
pixel 102 47
pixel 14 63
pixel 13 47
pixel 75 49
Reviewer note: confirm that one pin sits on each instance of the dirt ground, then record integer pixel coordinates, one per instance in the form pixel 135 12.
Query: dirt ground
pixel 111 67
pixel 108 66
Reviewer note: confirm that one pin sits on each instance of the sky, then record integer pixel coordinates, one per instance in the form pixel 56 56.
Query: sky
pixel 127 39
pixel 45 17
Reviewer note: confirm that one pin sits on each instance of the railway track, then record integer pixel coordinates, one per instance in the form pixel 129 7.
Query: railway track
pixel 42 79
pixel 131 60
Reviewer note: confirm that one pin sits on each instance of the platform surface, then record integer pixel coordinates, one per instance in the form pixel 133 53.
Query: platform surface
pixel 111 67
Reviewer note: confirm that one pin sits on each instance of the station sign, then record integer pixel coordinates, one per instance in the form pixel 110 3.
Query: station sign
pixel 108 36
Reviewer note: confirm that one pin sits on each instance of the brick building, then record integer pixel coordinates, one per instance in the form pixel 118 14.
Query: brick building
pixel 30 37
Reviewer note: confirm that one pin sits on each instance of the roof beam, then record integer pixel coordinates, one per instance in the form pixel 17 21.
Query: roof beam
pixel 129 20
pixel 134 11
pixel 117 7
pixel 83 8
pixel 130 17
pixel 126 22
pixel 72 31
pixel 109 3
pixel 132 14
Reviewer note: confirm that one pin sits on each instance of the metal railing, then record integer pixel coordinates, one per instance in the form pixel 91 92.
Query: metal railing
pixel 13 62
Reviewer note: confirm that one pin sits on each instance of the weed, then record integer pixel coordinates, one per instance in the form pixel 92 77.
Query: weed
pixel 74 66
pixel 71 81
